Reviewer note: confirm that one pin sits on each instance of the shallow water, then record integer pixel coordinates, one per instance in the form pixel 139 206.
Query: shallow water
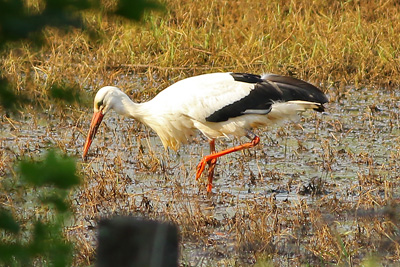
pixel 323 155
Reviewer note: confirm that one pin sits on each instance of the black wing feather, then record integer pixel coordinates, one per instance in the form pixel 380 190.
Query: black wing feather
pixel 268 89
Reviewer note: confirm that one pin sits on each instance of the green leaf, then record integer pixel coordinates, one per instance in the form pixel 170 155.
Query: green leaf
pixel 8 99
pixel 7 222
pixel 12 253
pixel 53 170
pixel 58 201
pixel 64 93
pixel 134 9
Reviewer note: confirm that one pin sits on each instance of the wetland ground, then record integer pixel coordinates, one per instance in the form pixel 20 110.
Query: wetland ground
pixel 322 190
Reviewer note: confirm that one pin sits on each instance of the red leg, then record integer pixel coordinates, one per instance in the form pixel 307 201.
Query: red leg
pixel 209 159
pixel 211 166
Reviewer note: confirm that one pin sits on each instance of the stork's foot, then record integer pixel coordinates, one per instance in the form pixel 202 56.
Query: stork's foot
pixel 209 187
pixel 200 167
pixel 211 161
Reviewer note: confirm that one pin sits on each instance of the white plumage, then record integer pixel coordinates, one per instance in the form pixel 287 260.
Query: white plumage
pixel 216 104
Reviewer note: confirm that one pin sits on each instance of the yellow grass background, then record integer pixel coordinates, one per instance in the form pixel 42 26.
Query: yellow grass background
pixel 326 42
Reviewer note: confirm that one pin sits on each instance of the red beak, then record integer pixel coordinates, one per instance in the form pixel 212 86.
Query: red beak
pixel 94 126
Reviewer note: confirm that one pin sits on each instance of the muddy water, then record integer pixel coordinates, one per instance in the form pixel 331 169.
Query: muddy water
pixel 321 155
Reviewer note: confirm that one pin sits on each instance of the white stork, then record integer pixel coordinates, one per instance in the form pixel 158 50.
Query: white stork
pixel 216 104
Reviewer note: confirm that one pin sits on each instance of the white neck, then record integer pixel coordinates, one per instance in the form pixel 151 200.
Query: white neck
pixel 124 106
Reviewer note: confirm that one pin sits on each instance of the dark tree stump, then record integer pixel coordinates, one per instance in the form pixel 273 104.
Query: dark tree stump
pixel 128 241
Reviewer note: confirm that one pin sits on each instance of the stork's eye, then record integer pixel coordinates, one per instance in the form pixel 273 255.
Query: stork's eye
pixel 99 104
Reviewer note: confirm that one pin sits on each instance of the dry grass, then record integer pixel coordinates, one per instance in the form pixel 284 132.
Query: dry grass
pixel 326 42
pixel 321 193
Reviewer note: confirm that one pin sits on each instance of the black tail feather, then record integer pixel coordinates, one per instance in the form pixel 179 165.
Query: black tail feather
pixel 295 89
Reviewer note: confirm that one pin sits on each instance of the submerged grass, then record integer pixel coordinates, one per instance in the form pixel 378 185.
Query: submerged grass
pixel 322 194
pixel 267 210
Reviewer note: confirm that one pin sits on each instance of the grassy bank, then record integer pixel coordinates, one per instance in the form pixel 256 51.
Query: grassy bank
pixel 325 42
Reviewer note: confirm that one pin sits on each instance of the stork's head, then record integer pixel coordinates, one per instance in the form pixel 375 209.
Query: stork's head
pixel 107 98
